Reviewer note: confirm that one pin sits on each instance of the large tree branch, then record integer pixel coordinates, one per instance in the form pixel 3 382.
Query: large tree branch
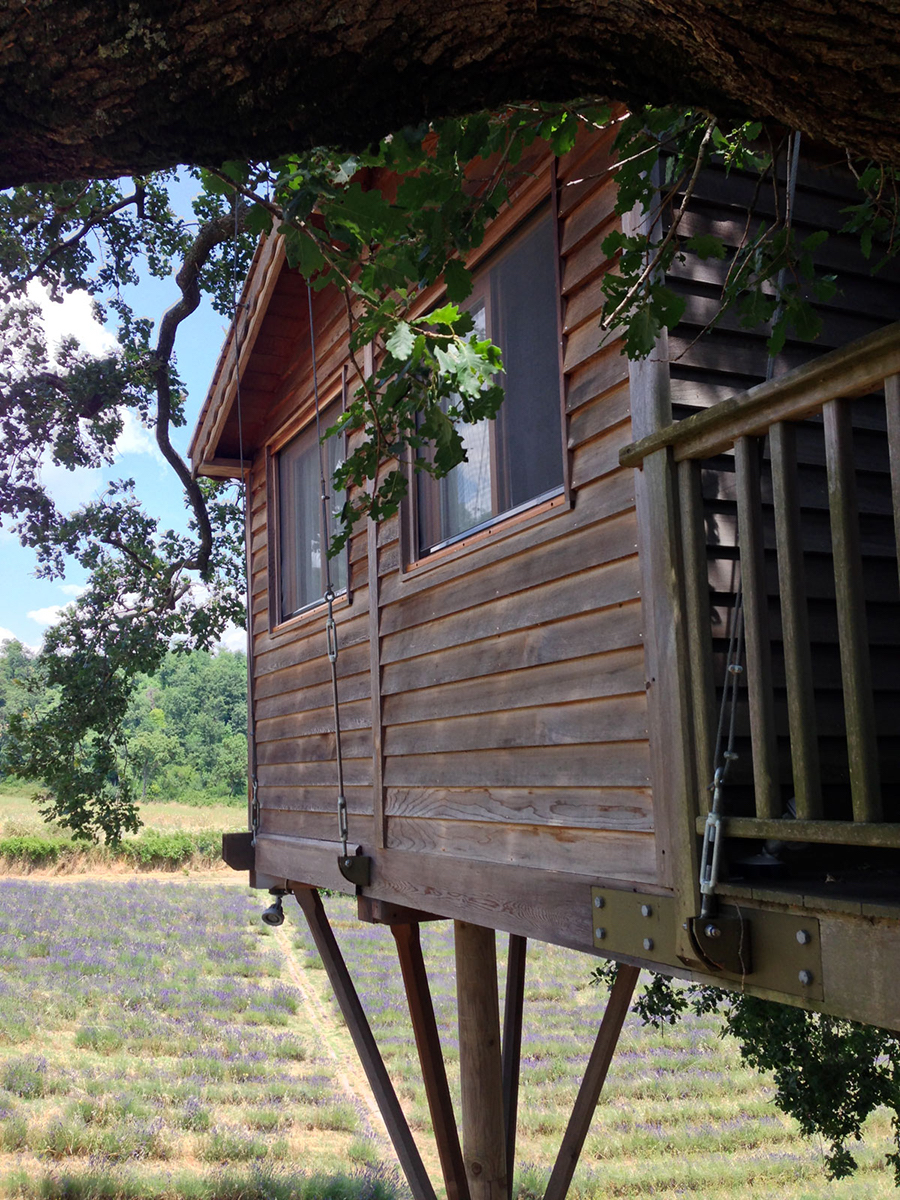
pixel 112 88
pixel 212 234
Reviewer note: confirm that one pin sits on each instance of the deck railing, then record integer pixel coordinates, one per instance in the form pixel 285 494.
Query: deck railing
pixel 743 424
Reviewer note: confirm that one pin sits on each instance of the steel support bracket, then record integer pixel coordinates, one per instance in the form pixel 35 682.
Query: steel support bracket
pixel 356 869
pixel 786 947
pixel 724 943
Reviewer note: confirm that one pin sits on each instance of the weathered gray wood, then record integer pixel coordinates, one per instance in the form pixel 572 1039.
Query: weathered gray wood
pixel 610 852
pixel 851 370
pixel 698 619
pixel 592 1084
pixel 859 707
pixel 513 1007
pixel 668 680
pixel 758 671
pixel 616 673
pixel 549 906
pixel 572 808
pixel 794 622
pixel 481 1080
pixel 826 833
pixel 431 1059
pixel 892 411
pixel 375 676
pixel 604 719
pixel 352 1010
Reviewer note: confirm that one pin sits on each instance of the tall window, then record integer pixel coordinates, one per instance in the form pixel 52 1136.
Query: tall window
pixel 302 554
pixel 517 458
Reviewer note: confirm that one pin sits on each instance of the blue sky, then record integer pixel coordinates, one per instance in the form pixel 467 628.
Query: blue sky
pixel 28 604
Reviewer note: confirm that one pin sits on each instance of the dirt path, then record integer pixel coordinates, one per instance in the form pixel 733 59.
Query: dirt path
pixel 332 1034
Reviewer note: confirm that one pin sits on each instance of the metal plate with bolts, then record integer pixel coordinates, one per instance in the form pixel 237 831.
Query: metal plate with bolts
pixel 786 948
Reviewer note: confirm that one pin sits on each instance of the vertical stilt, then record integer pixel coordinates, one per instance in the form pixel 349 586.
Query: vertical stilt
pixel 512 1045
pixel 481 1084
pixel 589 1092
pixel 354 1015
pixel 440 1104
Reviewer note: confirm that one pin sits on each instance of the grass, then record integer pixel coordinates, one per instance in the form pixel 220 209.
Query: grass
pixel 174 836
pixel 158 1042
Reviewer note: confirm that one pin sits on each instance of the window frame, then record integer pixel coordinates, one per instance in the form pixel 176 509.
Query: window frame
pixel 332 404
pixel 414 557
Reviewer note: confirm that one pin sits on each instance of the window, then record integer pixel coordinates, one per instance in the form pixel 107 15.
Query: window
pixel 517 458
pixel 302 560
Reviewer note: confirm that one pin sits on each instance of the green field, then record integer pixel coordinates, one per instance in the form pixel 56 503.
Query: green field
pixel 174 836
pixel 157 1040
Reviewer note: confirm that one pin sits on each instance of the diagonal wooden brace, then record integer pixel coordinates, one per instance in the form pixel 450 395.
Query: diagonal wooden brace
pixel 364 1041
pixel 594 1076
pixel 428 1044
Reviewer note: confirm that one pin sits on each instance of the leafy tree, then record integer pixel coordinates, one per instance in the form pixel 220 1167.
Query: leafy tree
pixel 433 375
pixel 380 248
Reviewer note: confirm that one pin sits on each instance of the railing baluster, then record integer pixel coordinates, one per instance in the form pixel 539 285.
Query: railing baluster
pixel 756 623
pixel 698 617
pixel 856 672
pixel 892 409
pixel 794 623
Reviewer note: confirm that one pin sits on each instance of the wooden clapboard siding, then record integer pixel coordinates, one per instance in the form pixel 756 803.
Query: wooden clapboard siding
pixel 708 369
pixel 512 673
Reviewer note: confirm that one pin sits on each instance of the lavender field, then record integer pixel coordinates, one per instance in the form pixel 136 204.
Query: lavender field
pixel 156 1040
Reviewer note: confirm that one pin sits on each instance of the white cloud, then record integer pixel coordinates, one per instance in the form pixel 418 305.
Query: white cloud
pixel 134 438
pixel 7 635
pixel 71 589
pixel 234 639
pixel 70 489
pixel 72 316
pixel 46 616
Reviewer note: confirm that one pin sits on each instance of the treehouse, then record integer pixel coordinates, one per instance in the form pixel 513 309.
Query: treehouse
pixel 628 680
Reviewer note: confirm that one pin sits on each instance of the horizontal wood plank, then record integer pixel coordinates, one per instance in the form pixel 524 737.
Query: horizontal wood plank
pixel 575 808
pixel 617 855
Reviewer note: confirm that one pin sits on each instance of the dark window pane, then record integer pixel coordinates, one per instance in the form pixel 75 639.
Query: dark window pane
pixel 299 513
pixel 519 456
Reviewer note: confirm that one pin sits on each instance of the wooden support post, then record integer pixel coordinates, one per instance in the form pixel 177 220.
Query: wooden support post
pixel 795 623
pixel 592 1084
pixel 364 1041
pixel 481 1085
pixel 512 1045
pixel 760 692
pixel 428 1044
pixel 856 671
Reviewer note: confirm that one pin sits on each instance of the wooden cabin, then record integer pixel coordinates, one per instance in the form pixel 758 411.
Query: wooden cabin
pixel 532 655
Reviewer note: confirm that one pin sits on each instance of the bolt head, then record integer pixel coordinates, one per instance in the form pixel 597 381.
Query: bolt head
pixel 599 902
pixel 804 937
pixel 646 910
pixel 599 933
pixel 712 931
pixel 648 943
pixel 805 977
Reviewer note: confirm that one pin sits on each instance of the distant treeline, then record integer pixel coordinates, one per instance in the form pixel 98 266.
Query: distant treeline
pixel 186 728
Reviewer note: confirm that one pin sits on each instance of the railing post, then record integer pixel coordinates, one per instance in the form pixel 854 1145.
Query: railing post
pixel 794 623
pixel 766 783
pixel 856 671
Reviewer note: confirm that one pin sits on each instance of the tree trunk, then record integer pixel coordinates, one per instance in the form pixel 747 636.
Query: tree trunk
pixel 109 88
